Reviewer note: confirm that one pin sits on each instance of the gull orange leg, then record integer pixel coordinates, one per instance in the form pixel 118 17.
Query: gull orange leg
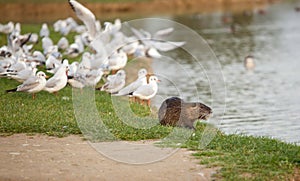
pixel 33 96
pixel 137 100
pixel 114 72
pixel 148 102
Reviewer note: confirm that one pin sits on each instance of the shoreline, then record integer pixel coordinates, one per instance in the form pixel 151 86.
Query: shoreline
pixel 47 12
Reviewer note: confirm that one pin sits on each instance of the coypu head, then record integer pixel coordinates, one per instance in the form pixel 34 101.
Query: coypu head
pixel 197 110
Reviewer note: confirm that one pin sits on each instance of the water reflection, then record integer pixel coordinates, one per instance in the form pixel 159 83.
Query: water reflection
pixel 264 101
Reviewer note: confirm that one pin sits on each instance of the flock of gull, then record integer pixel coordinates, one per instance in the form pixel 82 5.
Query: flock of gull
pixel 103 53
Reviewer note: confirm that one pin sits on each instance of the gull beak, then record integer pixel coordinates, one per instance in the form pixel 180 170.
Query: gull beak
pixel 47 77
pixel 158 81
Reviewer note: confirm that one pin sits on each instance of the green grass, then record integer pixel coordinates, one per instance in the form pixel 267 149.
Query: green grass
pixel 246 157
pixel 101 117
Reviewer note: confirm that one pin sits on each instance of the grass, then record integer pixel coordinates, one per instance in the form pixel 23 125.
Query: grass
pixel 243 157
pixel 101 117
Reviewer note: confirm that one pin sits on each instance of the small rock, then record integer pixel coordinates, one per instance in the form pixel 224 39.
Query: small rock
pixel 15 153
pixel 201 174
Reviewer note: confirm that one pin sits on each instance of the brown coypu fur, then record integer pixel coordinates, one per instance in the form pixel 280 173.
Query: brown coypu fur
pixel 175 112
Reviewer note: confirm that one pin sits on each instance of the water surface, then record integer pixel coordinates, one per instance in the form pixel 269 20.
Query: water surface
pixel 261 102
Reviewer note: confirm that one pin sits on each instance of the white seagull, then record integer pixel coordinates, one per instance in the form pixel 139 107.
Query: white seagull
pixel 37 57
pixel 58 81
pixel 148 91
pixel 32 85
pixel 24 74
pixel 7 28
pixel 44 32
pixel 156 43
pixel 114 82
pixel 117 60
pixel 63 43
pixel 90 79
pixel 46 44
pixel 141 80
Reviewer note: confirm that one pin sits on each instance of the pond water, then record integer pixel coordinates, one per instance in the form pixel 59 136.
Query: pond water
pixel 261 102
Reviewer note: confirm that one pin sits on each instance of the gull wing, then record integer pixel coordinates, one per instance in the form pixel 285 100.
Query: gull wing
pixel 166 45
pixel 142 36
pixel 30 83
pixel 145 90
pixel 131 87
pixel 85 15
pixel 52 82
pixel 160 34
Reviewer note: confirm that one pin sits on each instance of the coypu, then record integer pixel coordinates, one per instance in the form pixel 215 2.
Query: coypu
pixel 175 112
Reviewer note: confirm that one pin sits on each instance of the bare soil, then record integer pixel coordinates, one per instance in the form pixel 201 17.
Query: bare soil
pixel 40 157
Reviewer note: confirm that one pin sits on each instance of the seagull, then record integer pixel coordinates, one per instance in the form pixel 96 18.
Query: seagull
pixel 114 82
pixel 46 44
pixel 58 81
pixel 5 52
pixel 75 48
pixel 32 85
pixel 8 28
pixel 141 80
pixel 52 62
pixel 57 66
pixel 148 91
pixel 5 64
pixel 44 32
pixel 63 43
pixel 63 26
pixel 17 29
pixel 131 44
pixel 113 28
pixel 34 38
pixel 17 67
pixel 117 60
pixel 86 16
pixel 37 57
pixel 91 78
pixel 24 74
pixel 155 43
pixel 73 69
pixel 19 41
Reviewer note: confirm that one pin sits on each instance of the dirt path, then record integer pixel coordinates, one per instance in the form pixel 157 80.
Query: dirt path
pixel 42 157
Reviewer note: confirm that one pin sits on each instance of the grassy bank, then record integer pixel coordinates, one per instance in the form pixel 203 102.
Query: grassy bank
pixel 243 157
pixel 71 112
